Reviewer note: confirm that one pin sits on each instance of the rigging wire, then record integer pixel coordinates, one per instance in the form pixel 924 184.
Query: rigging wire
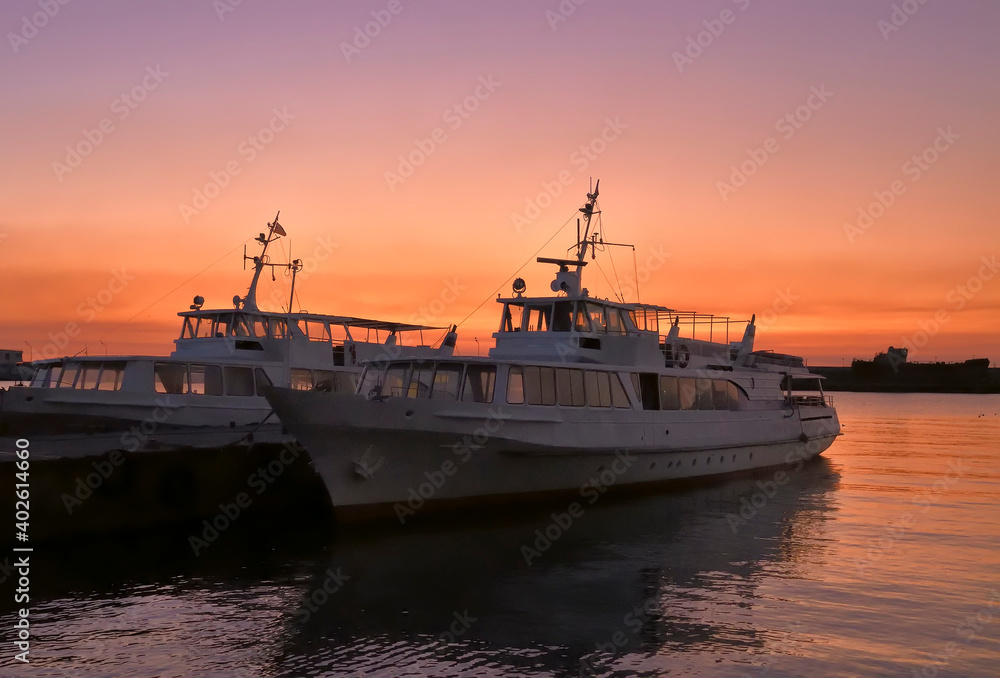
pixel 188 280
pixel 528 261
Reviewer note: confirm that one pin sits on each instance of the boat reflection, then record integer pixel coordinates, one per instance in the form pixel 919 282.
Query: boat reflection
pixel 625 581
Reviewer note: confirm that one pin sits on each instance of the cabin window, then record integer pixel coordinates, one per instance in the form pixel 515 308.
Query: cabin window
pixel 260 327
pixel 421 379
pixel 506 322
pixel 638 318
pixel 597 320
pixel 564 387
pixel 615 324
pixel 591 388
pixel 734 395
pixel 669 397
pixel 277 328
pixel 323 381
pixel 206 380
pixel 369 381
pixel 562 316
pixel 604 388
pixel 170 378
pixel 224 325
pixel 260 376
pixel 317 330
pixel 720 395
pixel 703 389
pixel 242 327
pixel 581 322
pixel 619 398
pixel 533 385
pixel 538 318
pixel 447 382
pixel 515 386
pixel 205 328
pixel 68 377
pixel 111 377
pixel 89 374
pixel 648 389
pixel 548 380
pixel 686 390
pixel 301 380
pixel 239 381
pixel 394 381
pixel 187 330
pixel 479 382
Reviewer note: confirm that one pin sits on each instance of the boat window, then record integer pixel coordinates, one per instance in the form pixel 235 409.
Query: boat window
pixel 548 381
pixel 421 378
pixel 590 386
pixel 506 322
pixel 393 384
pixel 734 395
pixel 597 319
pixel 538 318
pixel 369 381
pixel 170 378
pixel 649 390
pixel 187 329
pixel 533 385
pixel 277 328
pixel 447 382
pixel 239 381
pixel 223 325
pixel 669 397
pixel 720 396
pixel 515 386
pixel 479 382
pixel 301 380
pixel 619 398
pixel 638 318
pixel 604 389
pixel 317 330
pixel 578 390
pixel 615 325
pixel 325 381
pixel 564 387
pixel 581 322
pixel 260 327
pixel 206 379
pixel 242 326
pixel 562 316
pixel 205 328
pixel 89 373
pixel 686 390
pixel 704 394
pixel 40 379
pixel 68 376
pixel 260 376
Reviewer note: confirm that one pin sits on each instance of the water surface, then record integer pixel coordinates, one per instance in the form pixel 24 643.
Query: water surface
pixel 882 558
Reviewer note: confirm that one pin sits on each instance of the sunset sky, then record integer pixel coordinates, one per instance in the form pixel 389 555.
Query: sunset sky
pixel 828 165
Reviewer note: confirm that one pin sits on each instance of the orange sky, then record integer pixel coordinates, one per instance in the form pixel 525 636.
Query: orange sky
pixel 183 95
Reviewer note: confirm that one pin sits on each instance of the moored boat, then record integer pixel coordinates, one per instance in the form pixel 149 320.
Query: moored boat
pixel 578 395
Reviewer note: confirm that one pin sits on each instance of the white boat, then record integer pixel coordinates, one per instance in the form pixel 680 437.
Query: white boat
pixel 208 393
pixel 578 395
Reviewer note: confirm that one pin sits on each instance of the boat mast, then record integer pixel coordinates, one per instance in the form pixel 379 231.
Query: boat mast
pixel 274 231
pixel 588 214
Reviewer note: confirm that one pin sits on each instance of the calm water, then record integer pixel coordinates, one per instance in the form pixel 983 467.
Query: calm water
pixel 881 559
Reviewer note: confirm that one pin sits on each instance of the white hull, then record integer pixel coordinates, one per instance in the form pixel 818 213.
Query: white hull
pixel 425 452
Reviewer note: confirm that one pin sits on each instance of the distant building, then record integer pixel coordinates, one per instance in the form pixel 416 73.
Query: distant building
pixel 9 358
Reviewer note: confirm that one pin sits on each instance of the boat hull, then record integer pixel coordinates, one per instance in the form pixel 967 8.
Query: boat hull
pixel 424 455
